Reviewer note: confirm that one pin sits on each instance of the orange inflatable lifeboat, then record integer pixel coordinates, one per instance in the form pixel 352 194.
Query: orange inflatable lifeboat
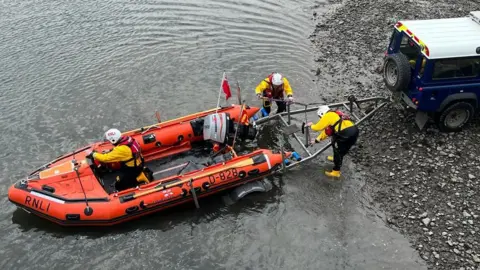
pixel 74 190
pixel 177 135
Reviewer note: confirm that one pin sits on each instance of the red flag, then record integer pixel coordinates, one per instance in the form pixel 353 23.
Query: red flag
pixel 226 87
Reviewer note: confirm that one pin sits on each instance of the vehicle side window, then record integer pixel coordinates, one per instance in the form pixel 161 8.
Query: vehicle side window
pixel 404 41
pixel 456 68
pixel 476 66
pixel 410 49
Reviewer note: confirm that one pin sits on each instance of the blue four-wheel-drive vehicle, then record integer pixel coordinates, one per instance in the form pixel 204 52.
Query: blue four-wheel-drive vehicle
pixel 434 67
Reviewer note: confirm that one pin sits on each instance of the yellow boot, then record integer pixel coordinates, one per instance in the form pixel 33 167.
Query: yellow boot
pixel 333 173
pixel 142 178
pixel 330 158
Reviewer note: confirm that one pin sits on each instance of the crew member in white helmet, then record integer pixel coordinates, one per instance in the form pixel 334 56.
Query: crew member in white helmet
pixel 274 87
pixel 128 153
pixel 341 129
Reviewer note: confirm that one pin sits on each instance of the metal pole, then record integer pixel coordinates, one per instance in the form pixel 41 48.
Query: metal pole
pixel 334 105
pixel 288 112
pixel 194 194
pixel 239 95
pixel 296 137
pixel 329 144
pixel 352 113
pixel 307 136
pixel 302 144
pixel 307 132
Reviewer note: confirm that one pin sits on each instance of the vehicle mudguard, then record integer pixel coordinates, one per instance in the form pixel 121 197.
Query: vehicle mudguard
pixel 458 96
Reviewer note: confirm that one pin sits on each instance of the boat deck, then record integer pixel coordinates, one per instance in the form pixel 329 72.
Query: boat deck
pixel 197 158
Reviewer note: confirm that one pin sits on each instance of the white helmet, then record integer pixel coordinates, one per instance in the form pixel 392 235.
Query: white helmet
pixel 277 79
pixel 113 135
pixel 322 110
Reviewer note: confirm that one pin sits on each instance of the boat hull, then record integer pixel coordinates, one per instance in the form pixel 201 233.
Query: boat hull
pixel 154 197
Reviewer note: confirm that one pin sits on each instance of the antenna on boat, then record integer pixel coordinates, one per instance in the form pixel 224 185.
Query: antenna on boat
pixel 157 115
pixel 88 210
pixel 242 104
pixel 238 123
pixel 239 95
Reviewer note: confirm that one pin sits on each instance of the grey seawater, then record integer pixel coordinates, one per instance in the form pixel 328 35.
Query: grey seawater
pixel 72 69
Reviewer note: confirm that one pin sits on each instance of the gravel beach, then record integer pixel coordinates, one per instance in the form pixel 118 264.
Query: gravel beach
pixel 426 181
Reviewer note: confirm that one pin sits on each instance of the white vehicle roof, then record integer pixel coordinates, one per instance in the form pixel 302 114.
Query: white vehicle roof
pixel 446 38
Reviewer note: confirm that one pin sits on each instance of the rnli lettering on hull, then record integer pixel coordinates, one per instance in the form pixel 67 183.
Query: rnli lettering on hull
pixel 37 204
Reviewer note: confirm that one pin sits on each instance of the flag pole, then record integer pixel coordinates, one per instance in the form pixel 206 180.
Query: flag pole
pixel 220 92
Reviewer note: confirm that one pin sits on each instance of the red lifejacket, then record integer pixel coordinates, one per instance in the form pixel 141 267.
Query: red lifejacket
pixel 269 91
pixel 330 130
pixel 134 147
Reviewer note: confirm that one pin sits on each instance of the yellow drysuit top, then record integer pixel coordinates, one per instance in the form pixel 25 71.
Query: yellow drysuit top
pixel 265 84
pixel 120 153
pixel 329 119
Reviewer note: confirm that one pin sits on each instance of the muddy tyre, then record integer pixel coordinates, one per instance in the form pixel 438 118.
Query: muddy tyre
pixel 455 116
pixel 396 72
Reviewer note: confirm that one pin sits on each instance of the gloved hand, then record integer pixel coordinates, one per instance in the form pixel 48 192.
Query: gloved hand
pixel 89 153
pixel 290 98
pixel 313 141
pixel 308 124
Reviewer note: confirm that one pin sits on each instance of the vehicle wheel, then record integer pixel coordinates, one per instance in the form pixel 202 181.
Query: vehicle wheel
pixel 455 116
pixel 396 72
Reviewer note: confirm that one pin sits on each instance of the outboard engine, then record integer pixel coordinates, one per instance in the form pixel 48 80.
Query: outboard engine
pixel 216 127
pixel 247 131
pixel 220 128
